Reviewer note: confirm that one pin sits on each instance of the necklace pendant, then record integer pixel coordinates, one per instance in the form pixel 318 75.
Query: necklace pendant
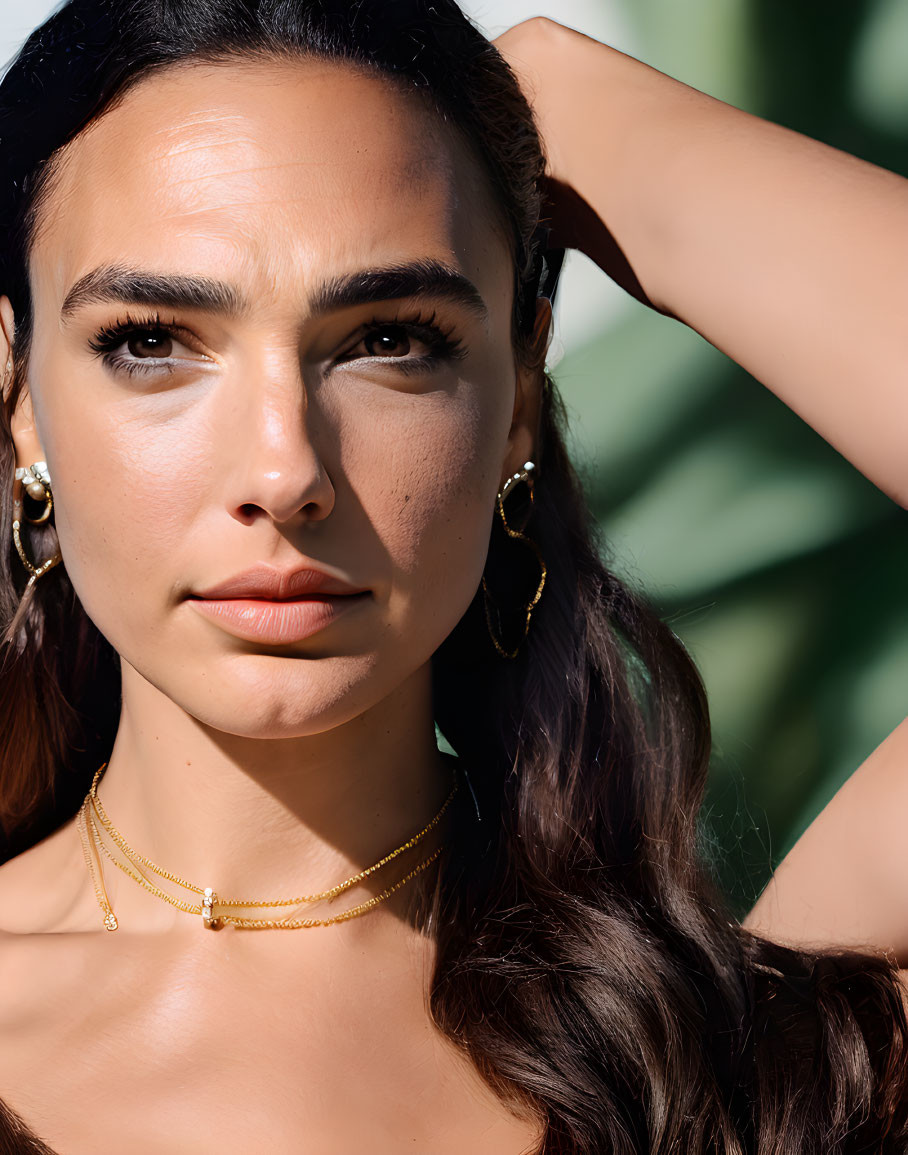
pixel 209 919
pixel 110 920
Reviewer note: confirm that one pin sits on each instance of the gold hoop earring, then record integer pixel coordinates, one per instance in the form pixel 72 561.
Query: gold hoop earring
pixel 35 481
pixel 524 475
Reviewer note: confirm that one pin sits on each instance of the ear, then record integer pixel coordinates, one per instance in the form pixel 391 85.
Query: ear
pixel 7 328
pixel 22 419
pixel 523 438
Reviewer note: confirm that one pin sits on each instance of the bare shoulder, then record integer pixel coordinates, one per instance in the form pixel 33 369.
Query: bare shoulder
pixel 43 974
pixel 42 889
pixel 845 882
pixel 45 957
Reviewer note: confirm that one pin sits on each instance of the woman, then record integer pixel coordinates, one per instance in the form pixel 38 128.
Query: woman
pixel 292 488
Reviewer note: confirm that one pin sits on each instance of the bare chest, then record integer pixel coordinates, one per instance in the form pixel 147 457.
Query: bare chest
pixel 238 1054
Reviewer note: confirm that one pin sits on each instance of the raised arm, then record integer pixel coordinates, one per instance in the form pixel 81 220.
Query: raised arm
pixel 791 257
pixel 788 255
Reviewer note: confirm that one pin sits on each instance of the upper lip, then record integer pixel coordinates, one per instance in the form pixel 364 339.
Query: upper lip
pixel 272 584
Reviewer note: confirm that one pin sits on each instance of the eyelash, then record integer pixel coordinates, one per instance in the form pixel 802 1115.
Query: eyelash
pixel 443 346
pixel 107 340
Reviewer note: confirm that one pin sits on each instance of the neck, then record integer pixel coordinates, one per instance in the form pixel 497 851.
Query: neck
pixel 272 817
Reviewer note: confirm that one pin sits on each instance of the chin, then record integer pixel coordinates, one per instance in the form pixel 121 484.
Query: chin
pixel 259 696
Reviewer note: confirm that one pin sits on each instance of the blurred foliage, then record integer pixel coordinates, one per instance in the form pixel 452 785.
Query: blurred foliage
pixel 775 561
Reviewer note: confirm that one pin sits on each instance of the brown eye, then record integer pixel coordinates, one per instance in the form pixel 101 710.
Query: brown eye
pixel 391 340
pixel 145 343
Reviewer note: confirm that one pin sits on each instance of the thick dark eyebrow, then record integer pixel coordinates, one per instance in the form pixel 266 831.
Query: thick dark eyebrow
pixel 422 278
pixel 119 285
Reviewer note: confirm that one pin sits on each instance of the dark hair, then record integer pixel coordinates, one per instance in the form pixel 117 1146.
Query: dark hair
pixel 585 961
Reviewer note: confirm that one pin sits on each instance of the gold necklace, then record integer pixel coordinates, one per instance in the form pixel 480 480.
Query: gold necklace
pixel 92 819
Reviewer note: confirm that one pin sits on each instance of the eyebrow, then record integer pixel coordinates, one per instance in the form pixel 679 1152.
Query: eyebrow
pixel 117 284
pixel 426 277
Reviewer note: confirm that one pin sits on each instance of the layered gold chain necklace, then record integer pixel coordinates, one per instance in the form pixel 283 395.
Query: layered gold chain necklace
pixel 94 824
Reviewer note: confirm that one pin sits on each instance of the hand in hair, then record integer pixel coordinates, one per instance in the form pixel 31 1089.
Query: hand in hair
pixel 788 255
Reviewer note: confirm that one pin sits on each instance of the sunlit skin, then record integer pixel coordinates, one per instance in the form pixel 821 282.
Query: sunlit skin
pixel 260 443
pixel 262 770
pixel 266 433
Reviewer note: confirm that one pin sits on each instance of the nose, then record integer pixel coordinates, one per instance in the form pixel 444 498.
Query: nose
pixel 278 469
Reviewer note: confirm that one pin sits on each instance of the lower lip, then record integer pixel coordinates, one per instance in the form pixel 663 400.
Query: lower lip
pixel 276 622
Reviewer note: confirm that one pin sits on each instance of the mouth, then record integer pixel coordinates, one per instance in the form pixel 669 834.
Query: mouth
pixel 274 621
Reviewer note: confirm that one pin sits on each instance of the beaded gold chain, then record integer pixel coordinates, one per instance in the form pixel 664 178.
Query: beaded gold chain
pixel 92 819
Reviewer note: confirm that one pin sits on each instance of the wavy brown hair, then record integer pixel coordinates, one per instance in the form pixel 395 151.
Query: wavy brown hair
pixel 585 961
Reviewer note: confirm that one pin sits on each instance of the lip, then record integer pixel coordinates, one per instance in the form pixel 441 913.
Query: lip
pixel 277 606
pixel 276 585
pixel 277 623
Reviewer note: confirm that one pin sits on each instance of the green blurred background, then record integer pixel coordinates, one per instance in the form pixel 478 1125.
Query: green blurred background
pixel 775 561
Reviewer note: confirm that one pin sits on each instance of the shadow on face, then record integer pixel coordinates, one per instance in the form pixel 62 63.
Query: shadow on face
pixel 272 325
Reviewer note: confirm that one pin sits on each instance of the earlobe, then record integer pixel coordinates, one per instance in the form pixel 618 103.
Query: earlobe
pixel 7 329
pixel 523 438
pixel 22 418
pixel 25 435
pixel 7 326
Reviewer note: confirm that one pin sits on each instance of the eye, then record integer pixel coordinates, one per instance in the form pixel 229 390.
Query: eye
pixel 150 343
pixel 132 347
pixel 413 344
pixel 390 340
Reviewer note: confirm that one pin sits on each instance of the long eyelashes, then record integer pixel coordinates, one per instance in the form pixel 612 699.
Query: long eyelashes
pixel 441 345
pixel 108 343
pixel 112 336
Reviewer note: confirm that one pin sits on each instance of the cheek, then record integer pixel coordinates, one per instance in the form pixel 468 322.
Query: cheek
pixel 425 471
pixel 140 487
pixel 439 475
pixel 126 490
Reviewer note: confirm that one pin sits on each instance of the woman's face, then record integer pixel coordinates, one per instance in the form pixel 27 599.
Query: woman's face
pixel 224 373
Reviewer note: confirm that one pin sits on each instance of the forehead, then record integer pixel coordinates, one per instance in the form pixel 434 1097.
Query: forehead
pixel 259 170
